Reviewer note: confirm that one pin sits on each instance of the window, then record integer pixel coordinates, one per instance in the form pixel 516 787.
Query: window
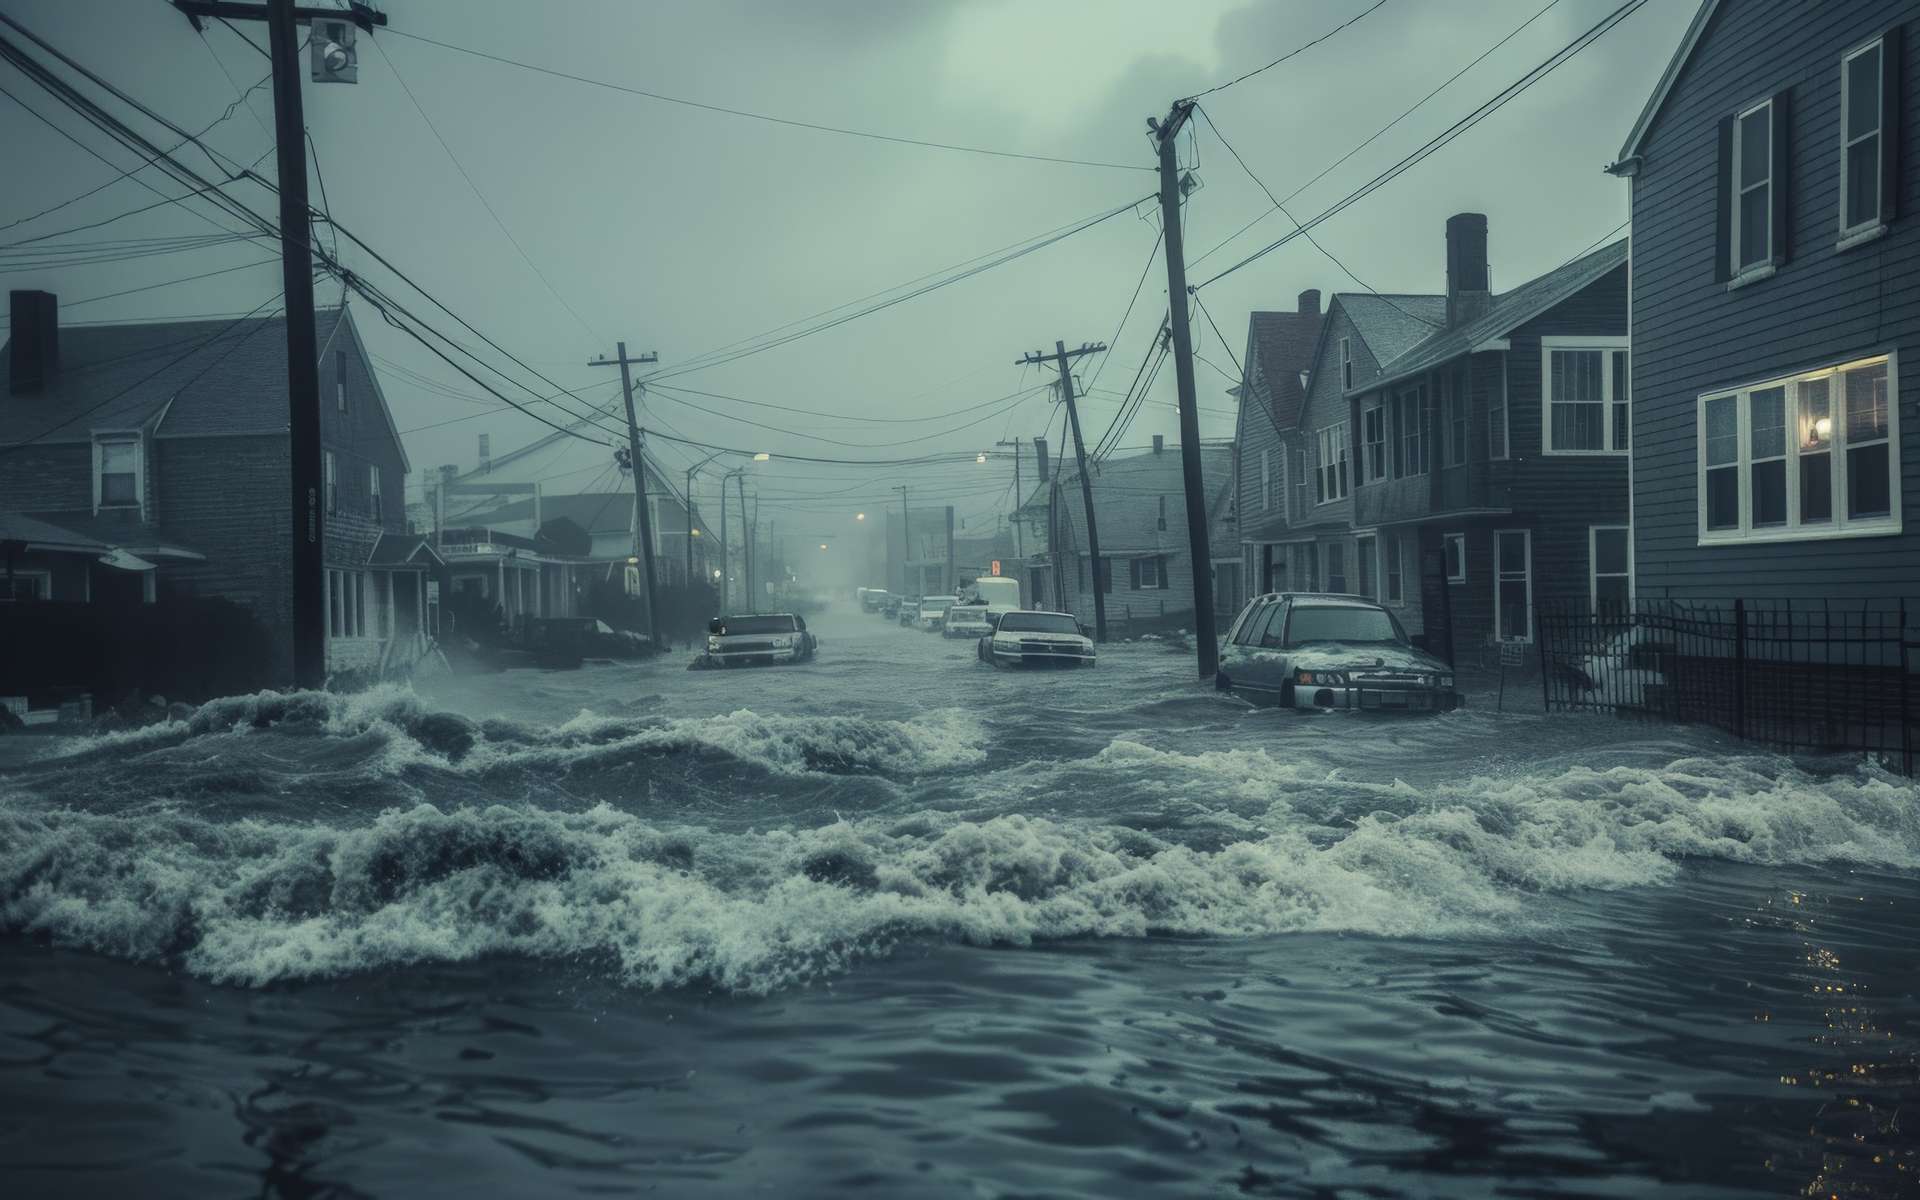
pixel 1336 567
pixel 373 492
pixel 1777 462
pixel 1453 420
pixel 340 379
pixel 1299 484
pixel 1513 584
pixel 1365 552
pixel 346 604
pixel 1162 519
pixel 1415 412
pixel 1266 480
pixel 1148 573
pixel 331 480
pixel 1394 569
pixel 1373 441
pixel 1610 568
pixel 1752 207
pixel 1862 115
pixel 1346 364
pixel 117 476
pixel 18 587
pixel 1333 463
pixel 1453 550
pixel 1585 395
pixel 1497 416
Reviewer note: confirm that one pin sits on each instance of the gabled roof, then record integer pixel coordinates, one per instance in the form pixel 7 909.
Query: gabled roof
pixel 120 530
pixel 1675 65
pixel 202 377
pixel 1508 312
pixel 399 549
pixel 1282 343
pixel 1393 324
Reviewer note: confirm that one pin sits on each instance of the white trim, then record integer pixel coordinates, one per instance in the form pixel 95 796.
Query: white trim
pixel 1327 463
pixel 139 444
pixel 43 590
pixel 1631 148
pixel 1346 363
pixel 1838 525
pixel 1593 564
pixel 1527 534
pixel 1876 224
pixel 1735 268
pixel 1460 537
pixel 1367 473
pixel 1605 345
pixel 1506 418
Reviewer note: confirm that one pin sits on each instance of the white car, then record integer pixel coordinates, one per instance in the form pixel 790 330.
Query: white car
pixel 933 612
pixel 756 639
pixel 1028 638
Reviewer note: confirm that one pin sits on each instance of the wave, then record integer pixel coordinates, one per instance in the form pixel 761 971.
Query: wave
pixel 254 901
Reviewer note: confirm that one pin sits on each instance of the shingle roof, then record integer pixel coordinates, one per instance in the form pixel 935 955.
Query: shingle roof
pixel 396 549
pixel 1391 325
pixel 222 377
pixel 1284 342
pixel 19 527
pixel 120 529
pixel 1509 311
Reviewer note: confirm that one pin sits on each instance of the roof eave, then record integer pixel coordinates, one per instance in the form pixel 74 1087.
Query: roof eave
pixel 1631 149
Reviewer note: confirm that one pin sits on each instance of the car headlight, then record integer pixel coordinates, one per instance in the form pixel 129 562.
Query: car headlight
pixel 785 643
pixel 1445 681
pixel 713 644
pixel 1322 678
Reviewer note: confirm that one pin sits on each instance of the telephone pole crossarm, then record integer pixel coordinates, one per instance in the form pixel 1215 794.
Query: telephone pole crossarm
pixel 1062 357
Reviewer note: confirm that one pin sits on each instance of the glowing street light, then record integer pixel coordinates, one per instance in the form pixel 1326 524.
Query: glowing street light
pixel 763 456
pixel 859 516
pixel 980 458
pixel 823 545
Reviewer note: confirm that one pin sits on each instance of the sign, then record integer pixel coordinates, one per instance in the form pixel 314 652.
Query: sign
pixel 996 567
pixel 1513 654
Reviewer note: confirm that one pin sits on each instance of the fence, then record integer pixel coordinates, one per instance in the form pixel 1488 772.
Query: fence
pixel 1795 675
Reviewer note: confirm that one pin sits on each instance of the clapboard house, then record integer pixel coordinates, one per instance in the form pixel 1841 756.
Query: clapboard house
pixel 147 463
pixel 1268 442
pixel 1774 177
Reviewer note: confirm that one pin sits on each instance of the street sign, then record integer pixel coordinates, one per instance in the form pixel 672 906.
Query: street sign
pixel 996 566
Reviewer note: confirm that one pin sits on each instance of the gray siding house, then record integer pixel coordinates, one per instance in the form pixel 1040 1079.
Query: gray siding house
pixel 1268 443
pixel 1773 175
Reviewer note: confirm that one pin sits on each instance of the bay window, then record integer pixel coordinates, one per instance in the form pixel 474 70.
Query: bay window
pixel 1778 463
pixel 1585 390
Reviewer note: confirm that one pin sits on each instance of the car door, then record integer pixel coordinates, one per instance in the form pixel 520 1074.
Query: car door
pixel 1266 663
pixel 1233 650
pixel 1244 662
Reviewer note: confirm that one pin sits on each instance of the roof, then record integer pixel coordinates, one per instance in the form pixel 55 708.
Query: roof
pixel 1392 325
pixel 1324 599
pixel 203 377
pixel 117 530
pixel 402 549
pixel 1507 313
pixel 594 512
pixel 43 535
pixel 1668 78
pixel 1283 342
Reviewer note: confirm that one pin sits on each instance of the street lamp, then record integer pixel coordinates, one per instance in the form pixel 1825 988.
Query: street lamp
pixel 763 456
pixel 980 457
pixel 823 545
pixel 859 516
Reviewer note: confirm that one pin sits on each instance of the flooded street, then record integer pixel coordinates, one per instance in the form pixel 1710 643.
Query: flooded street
pixel 893 920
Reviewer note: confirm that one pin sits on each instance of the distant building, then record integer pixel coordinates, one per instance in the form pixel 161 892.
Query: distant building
pixel 1774 176
pixel 920 561
pixel 1268 440
pixel 141 462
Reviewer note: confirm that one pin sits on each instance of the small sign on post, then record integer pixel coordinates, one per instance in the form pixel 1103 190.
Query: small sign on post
pixel 996 568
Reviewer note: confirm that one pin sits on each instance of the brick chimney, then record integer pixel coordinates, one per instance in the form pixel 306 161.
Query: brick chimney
pixel 1159 442
pixel 1310 302
pixel 35 342
pixel 1040 458
pixel 1469 290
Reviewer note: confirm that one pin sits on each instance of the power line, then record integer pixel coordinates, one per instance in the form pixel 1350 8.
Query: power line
pixel 1289 54
pixel 667 390
pixel 757 116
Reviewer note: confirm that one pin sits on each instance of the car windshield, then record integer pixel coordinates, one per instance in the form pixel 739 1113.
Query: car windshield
pixel 1330 624
pixel 964 612
pixel 936 603
pixel 737 625
pixel 1038 623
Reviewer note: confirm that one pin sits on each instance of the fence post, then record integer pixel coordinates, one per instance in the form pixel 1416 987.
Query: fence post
pixel 1546 685
pixel 1740 669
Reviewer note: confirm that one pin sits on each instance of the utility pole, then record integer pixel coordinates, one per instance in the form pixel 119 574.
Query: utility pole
pixel 637 453
pixel 1062 362
pixel 308 576
pixel 1166 135
pixel 1019 498
pixel 724 544
pixel 906 536
pixel 746 531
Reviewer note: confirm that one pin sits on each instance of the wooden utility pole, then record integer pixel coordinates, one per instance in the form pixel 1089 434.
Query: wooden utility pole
pixel 1199 548
pixel 1019 498
pixel 637 453
pixel 1061 360
pixel 906 536
pixel 746 536
pixel 308 576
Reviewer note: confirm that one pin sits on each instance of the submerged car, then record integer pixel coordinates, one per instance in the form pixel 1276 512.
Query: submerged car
pixel 933 612
pixel 1321 651
pixel 909 611
pixel 873 599
pixel 967 621
pixel 756 639
pixel 1028 638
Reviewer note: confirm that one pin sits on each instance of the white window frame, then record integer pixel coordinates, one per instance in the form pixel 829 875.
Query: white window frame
pixel 1334 467
pixel 1368 446
pixel 374 500
pixel 330 481
pixel 1764 264
pixel 1506 422
pixel 1299 483
pixel 1140 571
pixel 1266 480
pixel 1416 406
pixel 1499 578
pixel 1839 525
pixel 1606 346
pixel 1593 564
pixel 1878 222
pixel 340 379
pixel 1346 364
pixel 134 440
pixel 42 585
pixel 1448 539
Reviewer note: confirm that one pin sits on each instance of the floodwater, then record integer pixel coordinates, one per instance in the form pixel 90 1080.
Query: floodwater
pixel 892 922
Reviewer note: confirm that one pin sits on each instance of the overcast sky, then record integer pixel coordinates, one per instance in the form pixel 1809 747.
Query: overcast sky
pixel 681 230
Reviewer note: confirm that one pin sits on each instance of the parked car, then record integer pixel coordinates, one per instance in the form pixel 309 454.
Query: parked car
pixel 1320 651
pixel 890 607
pixel 756 639
pixel 909 610
pixel 933 612
pixel 1028 638
pixel 873 599
pixel 967 621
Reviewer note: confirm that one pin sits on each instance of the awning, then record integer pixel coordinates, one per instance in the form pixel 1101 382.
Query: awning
pixel 125 561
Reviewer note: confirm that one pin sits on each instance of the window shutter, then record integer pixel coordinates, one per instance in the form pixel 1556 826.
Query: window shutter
pixel 1782 183
pixel 1892 62
pixel 1723 207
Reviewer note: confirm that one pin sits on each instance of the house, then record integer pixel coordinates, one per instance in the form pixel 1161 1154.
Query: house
pixel 1140 506
pixel 1267 439
pixel 1774 176
pixel 1467 457
pixel 146 463
pixel 920 551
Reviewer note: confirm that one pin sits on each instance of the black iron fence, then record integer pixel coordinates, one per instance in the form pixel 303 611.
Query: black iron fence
pixel 1796 675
